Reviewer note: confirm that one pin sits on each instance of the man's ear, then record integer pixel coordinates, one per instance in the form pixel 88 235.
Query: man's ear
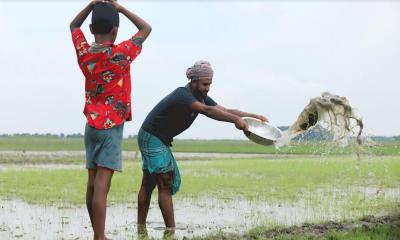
pixel 193 82
pixel 91 29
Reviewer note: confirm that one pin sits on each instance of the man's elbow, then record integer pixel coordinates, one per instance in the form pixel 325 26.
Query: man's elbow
pixel 72 26
pixel 147 29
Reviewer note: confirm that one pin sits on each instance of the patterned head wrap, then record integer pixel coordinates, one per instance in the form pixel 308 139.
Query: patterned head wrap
pixel 200 69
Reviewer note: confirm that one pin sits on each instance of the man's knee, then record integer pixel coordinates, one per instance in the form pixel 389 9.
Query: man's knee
pixel 91 178
pixel 148 183
pixel 143 198
pixel 149 190
pixel 90 186
pixel 103 178
pixel 164 181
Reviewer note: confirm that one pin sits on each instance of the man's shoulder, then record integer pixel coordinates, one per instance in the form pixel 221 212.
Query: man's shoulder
pixel 179 95
pixel 181 91
pixel 129 46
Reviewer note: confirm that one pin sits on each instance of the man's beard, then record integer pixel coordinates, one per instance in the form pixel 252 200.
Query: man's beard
pixel 200 95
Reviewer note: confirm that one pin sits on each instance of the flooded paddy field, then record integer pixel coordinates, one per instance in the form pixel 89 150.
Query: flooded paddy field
pixel 25 144
pixel 198 217
pixel 228 195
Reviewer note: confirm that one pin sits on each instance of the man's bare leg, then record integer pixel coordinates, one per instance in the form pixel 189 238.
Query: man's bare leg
pixel 144 197
pixel 89 193
pixel 102 183
pixel 164 185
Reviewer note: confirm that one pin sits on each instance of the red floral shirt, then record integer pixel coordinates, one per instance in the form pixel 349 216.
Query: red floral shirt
pixel 106 68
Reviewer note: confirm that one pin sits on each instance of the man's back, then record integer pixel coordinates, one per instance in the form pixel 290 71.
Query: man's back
pixel 172 115
pixel 106 68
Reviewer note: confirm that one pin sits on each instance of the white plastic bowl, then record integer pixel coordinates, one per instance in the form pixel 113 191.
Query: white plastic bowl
pixel 261 132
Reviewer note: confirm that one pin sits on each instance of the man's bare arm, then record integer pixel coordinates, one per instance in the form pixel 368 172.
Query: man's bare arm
pixel 242 114
pixel 82 15
pixel 218 114
pixel 143 26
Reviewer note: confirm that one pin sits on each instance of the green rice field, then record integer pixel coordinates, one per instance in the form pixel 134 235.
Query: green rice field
pixel 305 183
pixel 41 143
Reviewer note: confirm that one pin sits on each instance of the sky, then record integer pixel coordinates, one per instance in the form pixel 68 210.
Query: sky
pixel 269 58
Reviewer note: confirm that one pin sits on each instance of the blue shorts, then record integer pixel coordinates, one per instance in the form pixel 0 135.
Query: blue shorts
pixel 158 158
pixel 103 147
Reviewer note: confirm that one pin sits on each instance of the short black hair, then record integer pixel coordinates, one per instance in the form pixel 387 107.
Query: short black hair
pixel 104 17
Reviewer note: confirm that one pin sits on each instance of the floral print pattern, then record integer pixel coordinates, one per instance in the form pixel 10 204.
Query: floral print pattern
pixel 107 79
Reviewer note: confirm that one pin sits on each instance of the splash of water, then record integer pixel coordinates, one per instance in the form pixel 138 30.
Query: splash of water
pixel 331 112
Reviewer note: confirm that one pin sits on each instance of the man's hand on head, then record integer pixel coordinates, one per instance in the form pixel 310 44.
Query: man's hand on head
pixel 115 4
pixel 82 15
pixel 94 2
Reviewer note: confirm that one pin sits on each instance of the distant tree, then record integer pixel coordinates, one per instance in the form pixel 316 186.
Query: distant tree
pixel 75 135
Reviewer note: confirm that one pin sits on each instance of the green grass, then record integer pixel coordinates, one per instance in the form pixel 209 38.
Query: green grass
pixel 254 179
pixel 382 228
pixel 377 233
pixel 380 232
pixel 42 143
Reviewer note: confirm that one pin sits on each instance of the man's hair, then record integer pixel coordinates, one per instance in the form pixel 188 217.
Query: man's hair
pixel 104 18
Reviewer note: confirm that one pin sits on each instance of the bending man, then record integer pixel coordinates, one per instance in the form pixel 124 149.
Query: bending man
pixel 170 117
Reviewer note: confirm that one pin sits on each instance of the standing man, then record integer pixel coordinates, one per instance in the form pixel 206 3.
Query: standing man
pixel 106 67
pixel 170 117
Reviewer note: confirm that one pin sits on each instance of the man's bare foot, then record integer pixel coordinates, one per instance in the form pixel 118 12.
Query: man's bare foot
pixel 142 231
pixel 169 233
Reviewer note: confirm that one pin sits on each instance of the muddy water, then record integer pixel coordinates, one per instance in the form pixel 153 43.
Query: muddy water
pixel 21 220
